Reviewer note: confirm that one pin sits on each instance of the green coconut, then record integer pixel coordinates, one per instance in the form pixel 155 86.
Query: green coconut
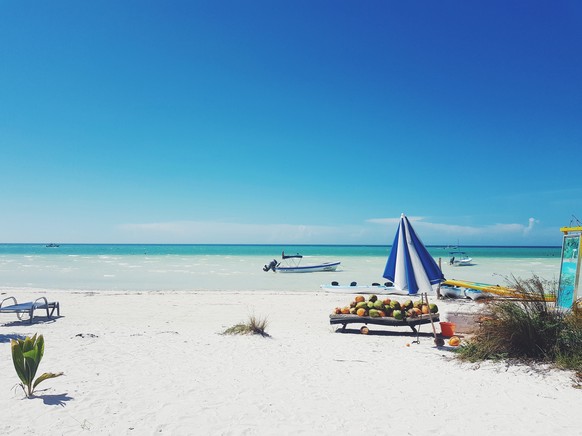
pixel 395 305
pixel 417 304
pixel 372 298
pixel 397 314
pixel 374 313
pixel 362 305
pixel 433 308
pixel 378 305
pixel 407 304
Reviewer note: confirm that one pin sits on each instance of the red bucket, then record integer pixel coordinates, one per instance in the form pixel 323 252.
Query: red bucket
pixel 448 328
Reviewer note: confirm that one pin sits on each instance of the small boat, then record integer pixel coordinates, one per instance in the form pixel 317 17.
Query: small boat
pixel 292 264
pixel 52 245
pixel 452 247
pixel 453 291
pixel 460 258
pixel 475 294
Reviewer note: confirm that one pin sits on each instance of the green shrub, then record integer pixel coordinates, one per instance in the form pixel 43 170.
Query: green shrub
pixel 528 328
pixel 26 356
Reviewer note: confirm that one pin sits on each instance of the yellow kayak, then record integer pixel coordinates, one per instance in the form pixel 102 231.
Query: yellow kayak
pixel 502 291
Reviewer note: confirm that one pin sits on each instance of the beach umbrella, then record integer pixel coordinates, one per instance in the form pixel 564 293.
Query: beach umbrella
pixel 410 267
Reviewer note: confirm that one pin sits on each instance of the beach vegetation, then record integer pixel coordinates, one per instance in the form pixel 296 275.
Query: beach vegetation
pixel 26 356
pixel 253 326
pixel 530 328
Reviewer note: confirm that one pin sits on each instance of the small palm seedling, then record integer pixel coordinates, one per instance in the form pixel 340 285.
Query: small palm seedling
pixel 26 355
pixel 254 326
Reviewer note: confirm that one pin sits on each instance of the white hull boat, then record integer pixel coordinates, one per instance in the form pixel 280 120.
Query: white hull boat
pixel 292 264
pixel 460 258
pixel 475 294
pixel 459 292
pixel 326 266
pixel 453 291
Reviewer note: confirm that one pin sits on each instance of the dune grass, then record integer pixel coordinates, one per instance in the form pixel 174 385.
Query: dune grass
pixel 529 329
pixel 254 326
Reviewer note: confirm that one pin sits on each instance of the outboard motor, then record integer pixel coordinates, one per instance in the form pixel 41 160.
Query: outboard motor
pixel 272 265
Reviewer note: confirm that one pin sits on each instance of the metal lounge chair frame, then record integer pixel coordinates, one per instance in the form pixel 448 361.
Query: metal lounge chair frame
pixel 30 306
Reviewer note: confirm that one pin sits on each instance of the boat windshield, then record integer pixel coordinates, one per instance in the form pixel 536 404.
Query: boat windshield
pixel 292 256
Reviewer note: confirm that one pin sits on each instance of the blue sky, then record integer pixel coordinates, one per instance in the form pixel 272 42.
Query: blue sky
pixel 290 122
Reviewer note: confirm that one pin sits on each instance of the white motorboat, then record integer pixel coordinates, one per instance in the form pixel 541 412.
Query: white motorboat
pixel 292 264
pixel 460 258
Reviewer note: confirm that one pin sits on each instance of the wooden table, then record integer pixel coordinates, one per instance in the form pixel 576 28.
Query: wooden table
pixel 385 320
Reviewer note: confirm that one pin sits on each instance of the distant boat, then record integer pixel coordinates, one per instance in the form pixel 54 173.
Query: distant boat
pixel 292 265
pixel 52 245
pixel 460 258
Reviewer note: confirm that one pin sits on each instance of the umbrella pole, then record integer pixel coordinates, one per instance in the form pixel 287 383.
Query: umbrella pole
pixel 438 291
pixel 438 341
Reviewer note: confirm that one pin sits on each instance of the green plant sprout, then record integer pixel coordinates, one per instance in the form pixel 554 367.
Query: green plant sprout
pixel 26 355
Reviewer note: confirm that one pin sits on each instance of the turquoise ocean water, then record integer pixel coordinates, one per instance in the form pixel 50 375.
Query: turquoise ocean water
pixel 119 267
pixel 263 250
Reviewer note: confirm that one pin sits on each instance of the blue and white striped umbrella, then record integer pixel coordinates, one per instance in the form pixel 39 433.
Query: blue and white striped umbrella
pixel 410 267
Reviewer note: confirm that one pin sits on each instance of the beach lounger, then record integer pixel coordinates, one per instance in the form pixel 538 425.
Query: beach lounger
pixel 387 321
pixel 29 307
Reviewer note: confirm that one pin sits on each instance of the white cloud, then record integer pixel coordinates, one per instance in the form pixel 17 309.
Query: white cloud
pixel 236 233
pixel 377 231
pixel 437 233
pixel 531 223
pixel 393 220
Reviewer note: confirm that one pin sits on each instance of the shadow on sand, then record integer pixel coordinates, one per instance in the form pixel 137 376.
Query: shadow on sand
pixel 26 322
pixel 9 337
pixel 387 333
pixel 53 400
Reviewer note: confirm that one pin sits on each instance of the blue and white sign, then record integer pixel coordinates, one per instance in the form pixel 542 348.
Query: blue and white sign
pixel 569 271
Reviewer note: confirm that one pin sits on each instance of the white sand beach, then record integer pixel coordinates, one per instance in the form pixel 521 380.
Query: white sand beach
pixel 139 363
pixel 156 156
